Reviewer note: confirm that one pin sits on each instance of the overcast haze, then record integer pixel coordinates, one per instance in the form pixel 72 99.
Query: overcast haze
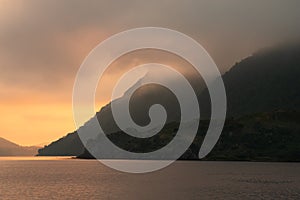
pixel 42 44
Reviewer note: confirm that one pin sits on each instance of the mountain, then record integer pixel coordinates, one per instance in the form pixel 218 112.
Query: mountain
pixel 265 82
pixel 8 148
pixel 267 136
pixel 70 145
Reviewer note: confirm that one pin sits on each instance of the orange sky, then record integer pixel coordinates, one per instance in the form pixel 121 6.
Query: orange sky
pixel 43 43
pixel 33 124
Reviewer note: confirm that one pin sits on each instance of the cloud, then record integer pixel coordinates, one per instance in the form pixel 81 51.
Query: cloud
pixel 42 43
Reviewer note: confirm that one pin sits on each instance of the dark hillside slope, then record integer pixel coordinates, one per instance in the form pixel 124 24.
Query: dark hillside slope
pixel 264 82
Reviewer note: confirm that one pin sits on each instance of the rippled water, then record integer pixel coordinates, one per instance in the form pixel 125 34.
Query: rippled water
pixel 60 178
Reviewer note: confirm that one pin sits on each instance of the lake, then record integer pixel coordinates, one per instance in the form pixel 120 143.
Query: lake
pixel 65 178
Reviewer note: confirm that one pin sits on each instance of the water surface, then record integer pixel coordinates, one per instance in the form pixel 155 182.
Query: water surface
pixel 65 178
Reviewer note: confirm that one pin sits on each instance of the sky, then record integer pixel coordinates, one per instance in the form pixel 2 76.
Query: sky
pixel 43 43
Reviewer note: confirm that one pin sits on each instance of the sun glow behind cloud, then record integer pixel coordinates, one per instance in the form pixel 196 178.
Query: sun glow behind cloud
pixel 31 124
pixel 43 43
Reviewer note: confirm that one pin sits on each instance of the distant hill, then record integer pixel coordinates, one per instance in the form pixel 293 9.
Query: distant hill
pixel 8 148
pixel 265 82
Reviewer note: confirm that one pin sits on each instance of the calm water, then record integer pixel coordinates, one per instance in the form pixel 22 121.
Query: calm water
pixel 60 178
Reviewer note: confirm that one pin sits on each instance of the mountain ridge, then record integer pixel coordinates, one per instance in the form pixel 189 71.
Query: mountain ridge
pixel 8 148
pixel 264 82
